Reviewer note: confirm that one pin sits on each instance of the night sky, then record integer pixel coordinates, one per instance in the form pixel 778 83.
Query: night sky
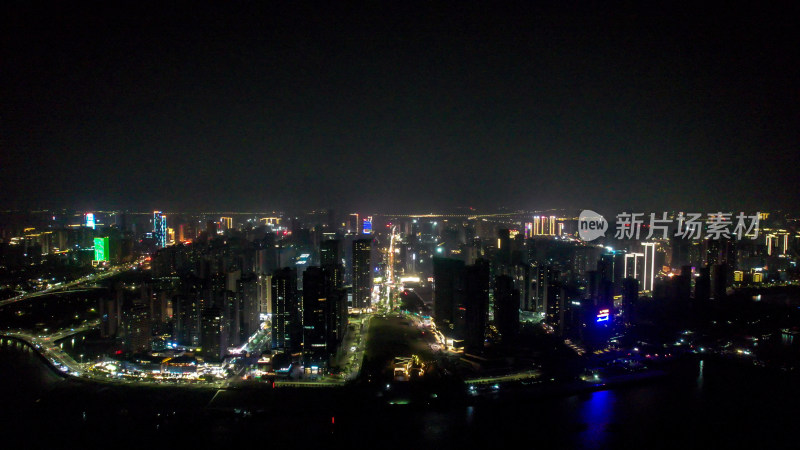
pixel 253 107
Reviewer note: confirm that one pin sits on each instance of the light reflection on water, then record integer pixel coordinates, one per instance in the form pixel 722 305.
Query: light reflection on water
pixel 597 414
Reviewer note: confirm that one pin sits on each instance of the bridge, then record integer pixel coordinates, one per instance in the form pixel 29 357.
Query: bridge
pixel 91 278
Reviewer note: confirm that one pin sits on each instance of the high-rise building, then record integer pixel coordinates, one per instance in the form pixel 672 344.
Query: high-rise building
pixel 702 286
pixel 226 223
pixel 315 307
pixel 362 273
pixel 506 307
pixel 503 247
pixel 187 314
pixel 214 334
pixel 366 225
pixel 330 255
pixel 101 249
pixel 448 291
pixel 476 305
pixel 286 318
pixel 630 293
pixel 545 277
pixel 777 242
pixel 136 333
pixel 719 281
pixel 211 229
pixel 160 229
pixel 649 265
pixel 544 225
pixel 353 224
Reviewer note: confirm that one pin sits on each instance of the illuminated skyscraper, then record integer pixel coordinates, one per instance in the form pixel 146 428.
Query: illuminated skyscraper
pixel 101 250
pixel 331 260
pixel 649 265
pixel 286 319
pixel 160 229
pixel 366 225
pixel 314 317
pixel 353 224
pixel 777 242
pixel 362 276
pixel 544 225
pixel 226 223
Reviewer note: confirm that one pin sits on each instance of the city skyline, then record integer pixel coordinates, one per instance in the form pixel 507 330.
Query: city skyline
pixel 399 224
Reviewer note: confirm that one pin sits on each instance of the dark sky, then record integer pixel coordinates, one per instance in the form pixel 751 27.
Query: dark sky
pixel 249 106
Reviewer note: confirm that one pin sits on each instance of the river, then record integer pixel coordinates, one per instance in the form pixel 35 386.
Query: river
pixel 701 404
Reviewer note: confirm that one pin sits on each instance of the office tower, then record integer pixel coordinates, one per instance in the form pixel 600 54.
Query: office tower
pixel 476 304
pixel 448 291
pixel 213 335
pixel 160 229
pixel 315 322
pixel 362 273
pixel 366 225
pixel 226 223
pixel 630 293
pixel 506 307
pixel 286 318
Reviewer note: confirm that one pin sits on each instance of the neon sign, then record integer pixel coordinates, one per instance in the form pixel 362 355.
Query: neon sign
pixel 603 315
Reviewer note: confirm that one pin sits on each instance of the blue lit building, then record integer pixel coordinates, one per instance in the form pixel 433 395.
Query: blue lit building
pixel 160 229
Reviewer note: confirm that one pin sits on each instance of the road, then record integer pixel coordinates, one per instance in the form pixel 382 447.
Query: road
pixel 46 345
pixel 91 278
